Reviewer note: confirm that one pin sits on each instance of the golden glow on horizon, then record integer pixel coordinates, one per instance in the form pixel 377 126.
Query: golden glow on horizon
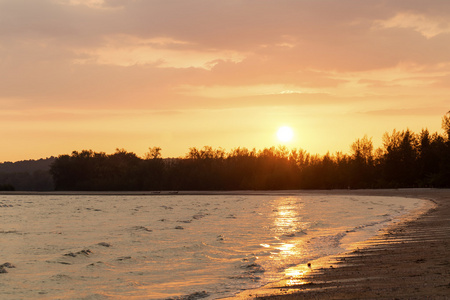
pixel 101 78
pixel 285 134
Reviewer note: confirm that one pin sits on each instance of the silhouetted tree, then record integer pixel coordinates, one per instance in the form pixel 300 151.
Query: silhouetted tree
pixel 362 164
pixel 446 124
pixel 405 160
pixel 399 158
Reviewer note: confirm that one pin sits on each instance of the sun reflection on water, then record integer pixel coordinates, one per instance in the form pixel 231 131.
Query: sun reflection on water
pixel 289 230
pixel 287 219
pixel 286 250
pixel 296 276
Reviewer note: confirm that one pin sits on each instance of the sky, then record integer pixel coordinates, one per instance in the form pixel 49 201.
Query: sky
pixel 134 74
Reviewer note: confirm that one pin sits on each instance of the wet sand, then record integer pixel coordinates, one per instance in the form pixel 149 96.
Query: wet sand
pixel 408 260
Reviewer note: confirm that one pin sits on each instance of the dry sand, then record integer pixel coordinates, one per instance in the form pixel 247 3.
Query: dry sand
pixel 408 260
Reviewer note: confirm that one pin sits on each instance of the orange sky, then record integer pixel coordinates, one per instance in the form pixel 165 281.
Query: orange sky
pixel 133 74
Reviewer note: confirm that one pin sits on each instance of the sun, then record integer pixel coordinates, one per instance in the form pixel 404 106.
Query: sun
pixel 285 134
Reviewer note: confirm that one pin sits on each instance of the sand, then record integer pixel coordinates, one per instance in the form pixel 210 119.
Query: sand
pixel 408 260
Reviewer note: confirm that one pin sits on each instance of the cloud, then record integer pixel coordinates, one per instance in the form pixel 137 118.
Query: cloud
pixel 119 73
pixel 160 54
pixel 426 26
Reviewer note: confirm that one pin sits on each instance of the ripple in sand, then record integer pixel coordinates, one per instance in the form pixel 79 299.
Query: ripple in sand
pixel 85 252
pixel 122 258
pixel 60 277
pixel 9 231
pixel 5 266
pixel 141 228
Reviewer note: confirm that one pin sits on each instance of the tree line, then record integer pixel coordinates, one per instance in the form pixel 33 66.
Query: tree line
pixel 406 159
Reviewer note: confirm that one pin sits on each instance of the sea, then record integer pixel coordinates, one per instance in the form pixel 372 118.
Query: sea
pixel 176 246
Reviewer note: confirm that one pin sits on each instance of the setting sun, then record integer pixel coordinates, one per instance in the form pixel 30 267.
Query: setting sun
pixel 285 134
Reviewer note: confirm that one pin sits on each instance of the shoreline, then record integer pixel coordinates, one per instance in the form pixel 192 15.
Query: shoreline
pixel 426 193
pixel 406 260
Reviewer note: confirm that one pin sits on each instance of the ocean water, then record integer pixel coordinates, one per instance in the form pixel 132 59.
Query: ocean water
pixel 171 246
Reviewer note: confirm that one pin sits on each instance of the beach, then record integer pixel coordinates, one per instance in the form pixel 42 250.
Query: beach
pixel 408 260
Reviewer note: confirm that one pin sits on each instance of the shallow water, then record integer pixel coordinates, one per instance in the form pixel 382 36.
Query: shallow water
pixel 169 246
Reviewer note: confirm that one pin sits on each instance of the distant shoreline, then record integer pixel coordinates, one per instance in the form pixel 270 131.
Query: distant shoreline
pixel 404 192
